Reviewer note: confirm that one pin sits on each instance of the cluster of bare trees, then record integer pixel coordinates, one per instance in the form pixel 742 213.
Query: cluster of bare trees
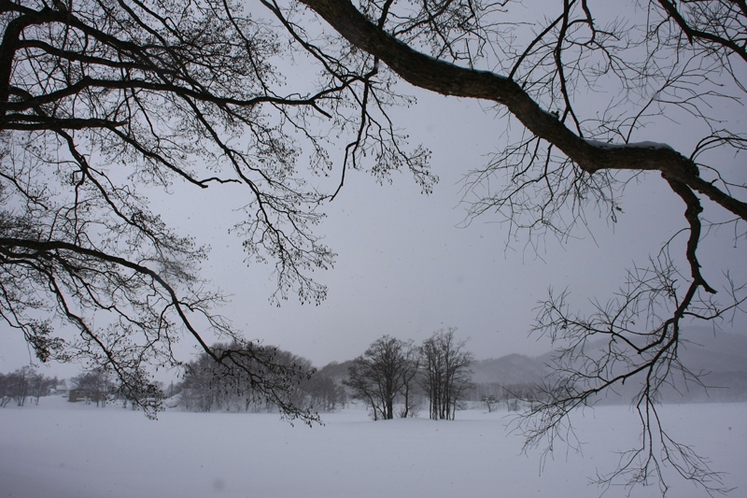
pixel 256 378
pixel 384 373
pixel 446 373
pixel 392 371
pixel 24 383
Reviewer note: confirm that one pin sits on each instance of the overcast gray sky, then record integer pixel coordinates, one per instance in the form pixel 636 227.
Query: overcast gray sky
pixel 406 268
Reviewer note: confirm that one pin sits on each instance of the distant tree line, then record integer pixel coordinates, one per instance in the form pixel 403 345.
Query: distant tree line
pixel 393 378
pixel 95 385
pixel 24 383
pixel 101 386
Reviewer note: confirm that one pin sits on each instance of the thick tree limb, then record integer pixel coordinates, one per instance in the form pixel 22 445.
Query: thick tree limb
pixel 449 79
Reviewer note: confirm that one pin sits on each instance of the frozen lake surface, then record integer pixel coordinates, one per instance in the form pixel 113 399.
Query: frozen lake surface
pixel 61 450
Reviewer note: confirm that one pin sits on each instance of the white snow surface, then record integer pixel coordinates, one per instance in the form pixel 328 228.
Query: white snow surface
pixel 61 450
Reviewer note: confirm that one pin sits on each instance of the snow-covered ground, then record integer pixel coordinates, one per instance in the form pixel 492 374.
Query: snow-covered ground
pixel 62 450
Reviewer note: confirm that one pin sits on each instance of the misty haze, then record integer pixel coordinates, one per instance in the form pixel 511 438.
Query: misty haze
pixel 373 248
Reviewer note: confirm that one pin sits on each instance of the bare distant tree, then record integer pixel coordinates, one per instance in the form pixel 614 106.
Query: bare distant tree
pixel 446 377
pixel 490 402
pixel 5 397
pixel 385 371
pixel 41 385
pixel 410 373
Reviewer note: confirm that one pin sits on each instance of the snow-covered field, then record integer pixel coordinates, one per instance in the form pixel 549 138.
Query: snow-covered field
pixel 62 450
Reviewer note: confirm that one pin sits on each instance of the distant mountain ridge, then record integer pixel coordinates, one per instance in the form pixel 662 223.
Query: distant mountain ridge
pixel 720 358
